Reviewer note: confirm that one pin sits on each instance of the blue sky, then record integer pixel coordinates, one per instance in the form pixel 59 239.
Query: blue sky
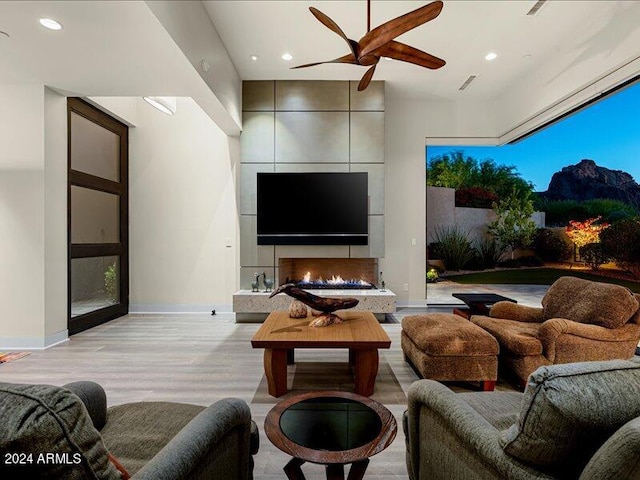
pixel 607 131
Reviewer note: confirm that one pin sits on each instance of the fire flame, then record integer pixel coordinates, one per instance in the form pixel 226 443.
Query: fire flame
pixel 334 280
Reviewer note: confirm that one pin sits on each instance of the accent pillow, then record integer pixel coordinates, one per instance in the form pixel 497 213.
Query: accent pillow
pixel 51 434
pixel 583 301
pixel 570 410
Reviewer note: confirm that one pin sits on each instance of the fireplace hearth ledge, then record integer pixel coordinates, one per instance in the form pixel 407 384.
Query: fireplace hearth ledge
pixel 255 306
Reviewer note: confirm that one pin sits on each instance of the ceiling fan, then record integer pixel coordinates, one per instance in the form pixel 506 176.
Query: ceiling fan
pixel 380 42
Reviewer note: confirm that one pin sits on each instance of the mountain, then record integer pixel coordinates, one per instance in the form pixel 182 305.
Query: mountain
pixel 586 180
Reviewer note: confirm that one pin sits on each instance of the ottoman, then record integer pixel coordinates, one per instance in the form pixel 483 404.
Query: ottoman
pixel 446 347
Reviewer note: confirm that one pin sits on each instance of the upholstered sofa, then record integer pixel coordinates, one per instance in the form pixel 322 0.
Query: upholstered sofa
pixel 574 421
pixel 68 432
pixel 579 321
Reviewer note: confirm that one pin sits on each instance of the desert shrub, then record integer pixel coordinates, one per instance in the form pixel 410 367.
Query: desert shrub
pixel 454 247
pixel 550 246
pixel 475 197
pixel 432 275
pixel 111 282
pixel 475 263
pixel 528 261
pixel 594 255
pixel 488 252
pixel 621 242
pixel 560 212
pixel 433 250
pixel 513 226
pixel 610 210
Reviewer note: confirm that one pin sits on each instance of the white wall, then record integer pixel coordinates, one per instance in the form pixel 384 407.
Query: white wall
pixel 443 213
pixel 403 265
pixel 191 28
pixel 33 277
pixel 55 216
pixel 408 123
pixel 182 208
pixel 124 109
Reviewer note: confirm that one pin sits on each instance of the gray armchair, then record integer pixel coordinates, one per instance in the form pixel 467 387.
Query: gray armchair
pixel 152 440
pixel 574 421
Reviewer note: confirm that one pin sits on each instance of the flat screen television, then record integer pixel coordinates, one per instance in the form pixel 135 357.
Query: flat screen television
pixel 312 208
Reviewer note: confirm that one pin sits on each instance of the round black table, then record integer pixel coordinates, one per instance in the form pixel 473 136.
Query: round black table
pixel 331 428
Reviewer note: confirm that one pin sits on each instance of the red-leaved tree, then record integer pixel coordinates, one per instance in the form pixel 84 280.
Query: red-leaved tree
pixel 583 233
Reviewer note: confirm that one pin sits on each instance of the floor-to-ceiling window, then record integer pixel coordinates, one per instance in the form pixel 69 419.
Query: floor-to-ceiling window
pixel 97 216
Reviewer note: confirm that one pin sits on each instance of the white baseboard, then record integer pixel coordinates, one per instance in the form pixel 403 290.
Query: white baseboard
pixel 151 309
pixel 33 343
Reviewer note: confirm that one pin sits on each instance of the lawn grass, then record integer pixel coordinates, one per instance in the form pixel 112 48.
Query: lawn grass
pixel 536 276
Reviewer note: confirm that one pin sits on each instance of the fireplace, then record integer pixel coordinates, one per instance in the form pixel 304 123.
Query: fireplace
pixel 328 273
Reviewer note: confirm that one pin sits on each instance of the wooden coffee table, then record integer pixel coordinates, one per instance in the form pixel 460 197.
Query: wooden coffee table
pixel 330 428
pixel 360 332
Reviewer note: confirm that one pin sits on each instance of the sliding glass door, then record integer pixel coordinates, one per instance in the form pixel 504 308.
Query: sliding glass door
pixel 97 216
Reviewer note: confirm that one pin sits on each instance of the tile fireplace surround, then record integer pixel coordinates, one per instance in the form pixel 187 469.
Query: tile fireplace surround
pixel 255 306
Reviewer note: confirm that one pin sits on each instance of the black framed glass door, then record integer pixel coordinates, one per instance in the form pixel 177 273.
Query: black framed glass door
pixel 97 216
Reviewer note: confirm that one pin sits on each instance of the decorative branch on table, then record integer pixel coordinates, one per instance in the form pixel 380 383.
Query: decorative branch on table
pixel 322 304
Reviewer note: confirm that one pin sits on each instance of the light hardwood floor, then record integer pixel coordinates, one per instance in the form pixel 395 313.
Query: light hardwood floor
pixel 200 359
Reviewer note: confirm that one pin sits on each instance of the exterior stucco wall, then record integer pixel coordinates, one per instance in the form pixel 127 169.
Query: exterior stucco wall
pixel 442 213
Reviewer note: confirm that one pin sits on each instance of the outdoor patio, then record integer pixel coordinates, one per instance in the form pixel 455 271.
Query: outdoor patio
pixel 439 295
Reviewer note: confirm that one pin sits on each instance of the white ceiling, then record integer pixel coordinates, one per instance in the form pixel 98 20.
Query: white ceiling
pixel 463 34
pixel 106 48
pixel 120 48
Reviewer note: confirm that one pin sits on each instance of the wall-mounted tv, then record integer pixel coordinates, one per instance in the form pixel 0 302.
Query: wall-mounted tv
pixel 312 209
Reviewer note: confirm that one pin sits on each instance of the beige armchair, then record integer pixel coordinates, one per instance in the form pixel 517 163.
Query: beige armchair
pixel 579 321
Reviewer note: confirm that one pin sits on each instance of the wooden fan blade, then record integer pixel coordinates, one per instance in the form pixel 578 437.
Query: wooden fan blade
pixel 333 26
pixel 393 28
pixel 349 58
pixel 406 53
pixel 366 78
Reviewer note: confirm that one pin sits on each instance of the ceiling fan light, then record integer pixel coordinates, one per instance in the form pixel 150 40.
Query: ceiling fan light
pixel 287 56
pixel 491 56
pixel 166 105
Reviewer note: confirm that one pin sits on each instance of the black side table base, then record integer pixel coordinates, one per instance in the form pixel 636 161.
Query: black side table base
pixel 357 469
pixel 293 470
pixel 335 471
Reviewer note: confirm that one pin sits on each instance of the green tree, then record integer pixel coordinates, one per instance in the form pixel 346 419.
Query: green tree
pixel 621 241
pixel 454 170
pixel 513 226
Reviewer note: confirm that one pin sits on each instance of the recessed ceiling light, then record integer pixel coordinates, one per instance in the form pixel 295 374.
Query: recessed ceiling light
pixel 491 56
pixel 527 56
pixel 164 104
pixel 287 56
pixel 254 58
pixel 50 24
